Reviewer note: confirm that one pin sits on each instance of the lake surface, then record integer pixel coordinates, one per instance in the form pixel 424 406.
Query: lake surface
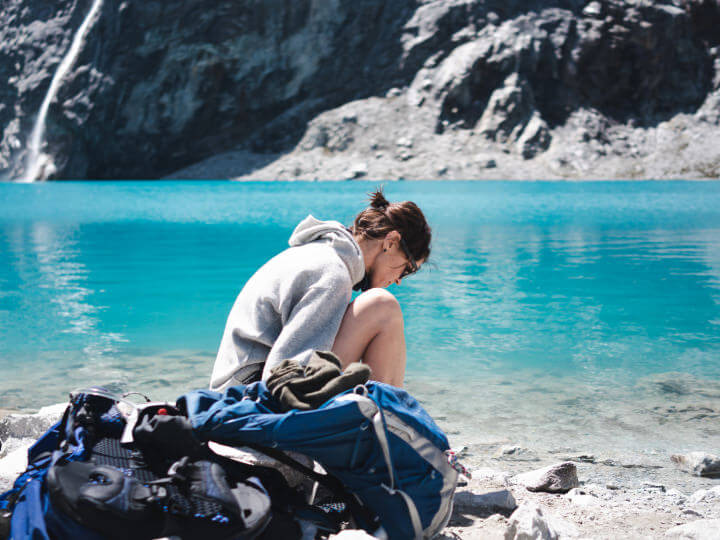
pixel 554 314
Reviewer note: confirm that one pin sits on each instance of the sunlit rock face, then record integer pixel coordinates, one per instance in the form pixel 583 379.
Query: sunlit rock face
pixel 158 86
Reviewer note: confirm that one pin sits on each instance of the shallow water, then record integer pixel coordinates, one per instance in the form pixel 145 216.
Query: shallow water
pixel 583 316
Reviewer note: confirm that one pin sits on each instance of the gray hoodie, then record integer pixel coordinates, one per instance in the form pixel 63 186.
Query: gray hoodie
pixel 292 305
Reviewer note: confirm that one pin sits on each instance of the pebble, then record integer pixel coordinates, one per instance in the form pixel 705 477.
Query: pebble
pixel 515 453
pixel 593 9
pixel 404 142
pixel 582 458
pixel 580 497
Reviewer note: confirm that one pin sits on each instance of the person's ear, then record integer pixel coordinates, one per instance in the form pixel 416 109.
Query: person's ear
pixel 391 238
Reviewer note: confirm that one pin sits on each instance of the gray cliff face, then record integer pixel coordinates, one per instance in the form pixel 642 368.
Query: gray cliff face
pixel 159 85
pixel 342 89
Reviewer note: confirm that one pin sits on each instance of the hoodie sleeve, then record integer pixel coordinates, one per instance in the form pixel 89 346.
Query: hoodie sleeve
pixel 312 324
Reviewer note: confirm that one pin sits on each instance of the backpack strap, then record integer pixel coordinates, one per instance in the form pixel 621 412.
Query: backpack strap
pixel 412 511
pixel 365 518
pixel 381 433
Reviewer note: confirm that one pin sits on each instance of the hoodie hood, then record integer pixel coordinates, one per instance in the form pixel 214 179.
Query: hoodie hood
pixel 333 232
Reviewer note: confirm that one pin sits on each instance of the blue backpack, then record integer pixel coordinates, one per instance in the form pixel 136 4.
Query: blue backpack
pixel 85 482
pixel 376 439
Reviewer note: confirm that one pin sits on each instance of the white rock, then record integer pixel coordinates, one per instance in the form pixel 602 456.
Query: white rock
pixel 56 411
pixel 10 445
pixel 557 478
pixel 19 426
pixel 702 529
pixel 698 463
pixel 358 170
pixel 351 534
pixel 596 490
pixel 12 465
pixel 404 142
pixel 530 522
pixel 705 495
pixel 593 9
pixel 580 497
pixel 18 432
pixel 494 500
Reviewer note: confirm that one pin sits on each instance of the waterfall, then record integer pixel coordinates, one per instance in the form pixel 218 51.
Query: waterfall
pixel 40 165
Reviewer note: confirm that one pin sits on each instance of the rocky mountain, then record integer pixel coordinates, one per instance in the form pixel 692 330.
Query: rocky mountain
pixel 335 89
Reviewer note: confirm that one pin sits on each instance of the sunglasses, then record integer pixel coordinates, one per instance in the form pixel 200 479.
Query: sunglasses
pixel 412 266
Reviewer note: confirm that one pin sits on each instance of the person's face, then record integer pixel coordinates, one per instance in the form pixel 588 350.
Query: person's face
pixel 393 263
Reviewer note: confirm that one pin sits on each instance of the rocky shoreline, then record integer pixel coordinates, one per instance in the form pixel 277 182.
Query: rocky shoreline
pixel 410 89
pixel 519 498
pixel 390 138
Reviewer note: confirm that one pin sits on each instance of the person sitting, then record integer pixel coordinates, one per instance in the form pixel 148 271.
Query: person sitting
pixel 300 300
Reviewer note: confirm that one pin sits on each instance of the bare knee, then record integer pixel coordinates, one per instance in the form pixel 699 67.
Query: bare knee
pixel 382 304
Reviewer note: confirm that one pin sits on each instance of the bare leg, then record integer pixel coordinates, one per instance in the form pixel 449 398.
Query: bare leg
pixel 373 330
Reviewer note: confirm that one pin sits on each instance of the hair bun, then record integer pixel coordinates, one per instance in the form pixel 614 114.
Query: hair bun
pixel 378 200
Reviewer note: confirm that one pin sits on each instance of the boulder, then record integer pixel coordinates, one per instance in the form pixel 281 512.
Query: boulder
pixel 12 464
pixel 17 433
pixel 698 463
pixel 705 495
pixel 558 478
pixel 535 138
pixel 702 529
pixel 500 501
pixel 21 426
pixel 356 170
pixel 333 137
pixel 12 444
pixel 531 522
pixel 508 111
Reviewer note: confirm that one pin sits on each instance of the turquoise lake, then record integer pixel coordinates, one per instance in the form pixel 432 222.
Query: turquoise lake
pixel 585 313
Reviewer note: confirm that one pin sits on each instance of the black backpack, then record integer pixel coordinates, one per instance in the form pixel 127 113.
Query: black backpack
pixel 147 476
